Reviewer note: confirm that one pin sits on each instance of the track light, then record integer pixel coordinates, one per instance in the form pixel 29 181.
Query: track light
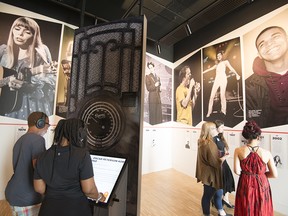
pixel 158 48
pixel 188 30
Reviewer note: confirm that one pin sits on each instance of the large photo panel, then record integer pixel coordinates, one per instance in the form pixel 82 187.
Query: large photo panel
pixel 64 72
pixel 266 79
pixel 29 50
pixel 158 92
pixel 187 91
pixel 222 85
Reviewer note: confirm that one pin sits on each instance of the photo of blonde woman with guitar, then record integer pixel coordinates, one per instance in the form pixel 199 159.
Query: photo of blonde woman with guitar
pixel 27 72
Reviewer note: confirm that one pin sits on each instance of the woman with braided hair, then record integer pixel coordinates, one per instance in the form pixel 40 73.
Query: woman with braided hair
pixel 64 173
pixel 254 165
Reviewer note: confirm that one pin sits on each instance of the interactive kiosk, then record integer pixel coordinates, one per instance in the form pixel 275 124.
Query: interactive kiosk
pixel 110 174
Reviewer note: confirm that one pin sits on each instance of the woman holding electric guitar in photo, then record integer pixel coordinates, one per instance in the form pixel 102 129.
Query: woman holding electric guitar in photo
pixel 27 73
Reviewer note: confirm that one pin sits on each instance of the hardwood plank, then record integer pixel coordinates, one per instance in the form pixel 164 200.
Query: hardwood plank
pixel 172 193
pixel 5 209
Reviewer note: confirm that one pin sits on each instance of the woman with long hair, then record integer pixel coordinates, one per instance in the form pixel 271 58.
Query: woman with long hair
pixel 209 169
pixel 34 80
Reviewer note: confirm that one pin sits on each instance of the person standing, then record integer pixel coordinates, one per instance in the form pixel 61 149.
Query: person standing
pixel 32 85
pixel 19 191
pixel 153 86
pixel 223 148
pixel 266 88
pixel 66 66
pixel 186 95
pixel 220 81
pixel 254 165
pixel 209 169
pixel 64 173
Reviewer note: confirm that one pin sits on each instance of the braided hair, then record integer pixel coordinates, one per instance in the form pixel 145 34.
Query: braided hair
pixel 69 129
pixel 251 130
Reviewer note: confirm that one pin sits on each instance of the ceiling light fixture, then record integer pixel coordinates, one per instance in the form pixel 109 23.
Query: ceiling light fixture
pixel 188 30
pixel 158 48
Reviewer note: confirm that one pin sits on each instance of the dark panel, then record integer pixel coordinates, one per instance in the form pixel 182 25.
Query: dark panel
pixel 105 91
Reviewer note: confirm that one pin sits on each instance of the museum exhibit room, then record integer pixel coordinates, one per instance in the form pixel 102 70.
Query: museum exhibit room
pixel 144 107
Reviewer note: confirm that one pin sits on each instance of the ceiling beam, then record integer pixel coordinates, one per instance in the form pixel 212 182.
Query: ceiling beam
pixel 82 15
pixel 78 10
pixel 130 9
pixel 183 24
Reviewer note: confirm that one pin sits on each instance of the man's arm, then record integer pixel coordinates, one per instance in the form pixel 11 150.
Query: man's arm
pixel 210 69
pixel 195 94
pixel 150 84
pixel 187 99
pixel 39 186
pixel 232 69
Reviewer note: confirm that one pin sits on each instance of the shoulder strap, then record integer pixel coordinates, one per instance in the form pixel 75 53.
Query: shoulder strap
pixel 253 148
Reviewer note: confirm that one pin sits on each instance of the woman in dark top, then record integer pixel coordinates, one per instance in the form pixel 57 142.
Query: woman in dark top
pixel 64 173
pixel 228 179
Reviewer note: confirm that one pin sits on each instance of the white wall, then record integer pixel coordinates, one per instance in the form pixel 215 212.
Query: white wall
pixel 184 159
pixel 184 148
pixel 7 134
pixel 156 152
pixel 279 189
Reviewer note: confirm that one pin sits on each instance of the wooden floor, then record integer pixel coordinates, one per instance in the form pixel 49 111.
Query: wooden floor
pixel 165 193
pixel 5 208
pixel 171 193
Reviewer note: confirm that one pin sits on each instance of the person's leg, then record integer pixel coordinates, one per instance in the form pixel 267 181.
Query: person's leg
pixel 223 96
pixel 208 192
pixel 26 210
pixel 34 210
pixel 19 211
pixel 211 99
pixel 218 199
pixel 218 202
pixel 14 213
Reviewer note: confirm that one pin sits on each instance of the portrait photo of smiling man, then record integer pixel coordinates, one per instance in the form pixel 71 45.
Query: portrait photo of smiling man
pixel 266 88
